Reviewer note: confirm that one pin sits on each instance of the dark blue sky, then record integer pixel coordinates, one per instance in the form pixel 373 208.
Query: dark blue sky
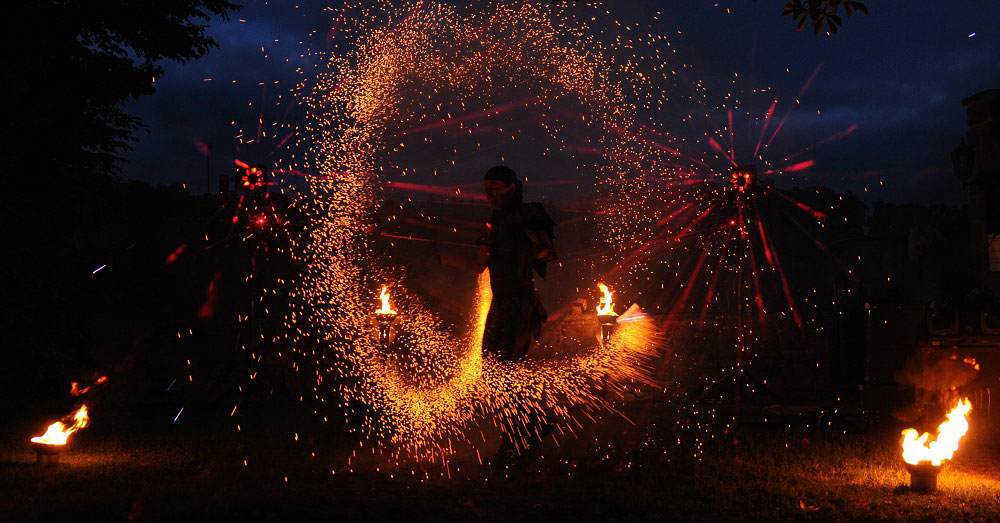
pixel 899 74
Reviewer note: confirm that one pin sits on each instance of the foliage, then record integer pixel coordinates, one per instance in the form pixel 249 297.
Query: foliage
pixel 73 63
pixel 822 13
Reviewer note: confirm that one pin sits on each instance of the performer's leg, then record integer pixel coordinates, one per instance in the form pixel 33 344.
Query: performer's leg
pixel 525 325
pixel 493 332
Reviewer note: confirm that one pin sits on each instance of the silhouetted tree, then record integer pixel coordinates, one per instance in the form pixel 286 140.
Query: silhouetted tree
pixel 74 62
pixel 822 13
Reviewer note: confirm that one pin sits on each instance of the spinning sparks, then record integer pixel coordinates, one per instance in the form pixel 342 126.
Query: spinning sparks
pixel 918 450
pixel 58 433
pixel 742 178
pixel 417 97
pixel 416 72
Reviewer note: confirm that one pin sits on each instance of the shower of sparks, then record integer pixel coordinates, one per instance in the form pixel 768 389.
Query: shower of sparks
pixel 475 75
pixel 421 90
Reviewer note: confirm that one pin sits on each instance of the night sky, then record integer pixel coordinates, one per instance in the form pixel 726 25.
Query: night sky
pixel 898 74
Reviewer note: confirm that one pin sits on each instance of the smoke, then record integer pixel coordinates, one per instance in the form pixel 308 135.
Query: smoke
pixel 936 380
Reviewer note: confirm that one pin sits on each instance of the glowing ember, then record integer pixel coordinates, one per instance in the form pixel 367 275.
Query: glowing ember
pixel 606 306
pixel 76 390
pixel 917 450
pixel 384 296
pixel 742 177
pixel 58 432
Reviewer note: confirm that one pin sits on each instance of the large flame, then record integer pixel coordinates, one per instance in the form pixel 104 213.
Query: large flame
pixel 916 449
pixel 386 309
pixel 58 432
pixel 606 307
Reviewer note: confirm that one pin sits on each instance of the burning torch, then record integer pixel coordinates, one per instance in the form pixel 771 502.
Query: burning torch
pixel 48 446
pixel 924 459
pixel 385 317
pixel 606 314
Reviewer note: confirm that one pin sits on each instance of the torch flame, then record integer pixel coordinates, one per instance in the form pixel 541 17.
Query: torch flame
pixel 386 309
pixel 605 307
pixel 58 432
pixel 916 449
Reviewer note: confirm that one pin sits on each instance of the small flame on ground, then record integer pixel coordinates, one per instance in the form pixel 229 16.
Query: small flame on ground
pixel 58 432
pixel 606 306
pixel 384 296
pixel 916 449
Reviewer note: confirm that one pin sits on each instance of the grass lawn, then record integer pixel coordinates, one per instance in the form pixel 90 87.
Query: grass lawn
pixel 614 472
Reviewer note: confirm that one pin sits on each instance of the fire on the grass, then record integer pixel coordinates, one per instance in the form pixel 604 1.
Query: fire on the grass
pixel 924 456
pixel 48 446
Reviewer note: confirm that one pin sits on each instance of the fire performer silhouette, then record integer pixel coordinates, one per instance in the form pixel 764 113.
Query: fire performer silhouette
pixel 516 242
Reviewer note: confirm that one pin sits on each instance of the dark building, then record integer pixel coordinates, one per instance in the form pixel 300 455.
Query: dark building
pixel 977 165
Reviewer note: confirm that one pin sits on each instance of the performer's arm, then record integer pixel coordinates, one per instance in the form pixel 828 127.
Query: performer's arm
pixel 474 265
pixel 477 263
pixel 542 245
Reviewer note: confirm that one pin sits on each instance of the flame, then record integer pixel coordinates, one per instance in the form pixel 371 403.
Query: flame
pixel 917 450
pixel 386 309
pixel 76 390
pixel 605 307
pixel 58 432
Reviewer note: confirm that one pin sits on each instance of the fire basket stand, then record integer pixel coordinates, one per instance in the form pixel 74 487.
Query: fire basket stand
pixel 608 324
pixel 385 322
pixel 46 454
pixel 923 477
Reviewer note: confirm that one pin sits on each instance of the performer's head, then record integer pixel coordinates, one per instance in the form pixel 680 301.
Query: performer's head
pixel 502 187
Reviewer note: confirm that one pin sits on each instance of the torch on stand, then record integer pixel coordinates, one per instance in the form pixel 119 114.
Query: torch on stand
pixel 46 454
pixel 924 455
pixel 609 322
pixel 385 322
pixel 923 477
pixel 606 314
pixel 48 446
pixel 385 317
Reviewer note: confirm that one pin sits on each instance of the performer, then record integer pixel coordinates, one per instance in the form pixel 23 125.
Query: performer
pixel 516 242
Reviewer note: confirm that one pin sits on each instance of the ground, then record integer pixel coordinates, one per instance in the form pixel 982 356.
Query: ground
pixel 145 467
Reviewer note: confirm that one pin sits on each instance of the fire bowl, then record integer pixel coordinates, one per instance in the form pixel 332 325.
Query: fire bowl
pixel 385 322
pixel 608 324
pixel 46 454
pixel 923 477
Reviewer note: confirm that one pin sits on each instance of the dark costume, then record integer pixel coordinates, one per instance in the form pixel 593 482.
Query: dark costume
pixel 516 314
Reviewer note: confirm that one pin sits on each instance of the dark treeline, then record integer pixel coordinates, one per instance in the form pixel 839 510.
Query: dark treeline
pixel 90 286
pixel 131 281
